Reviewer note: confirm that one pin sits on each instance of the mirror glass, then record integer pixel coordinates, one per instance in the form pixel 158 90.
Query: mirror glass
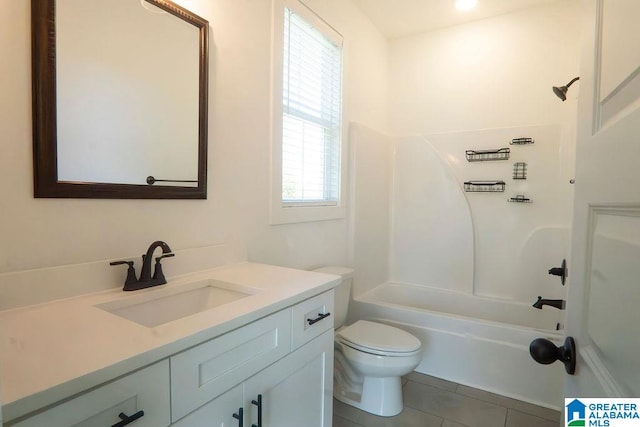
pixel 119 99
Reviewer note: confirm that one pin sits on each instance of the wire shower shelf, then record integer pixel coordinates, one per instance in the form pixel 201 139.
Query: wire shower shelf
pixel 519 170
pixel 484 186
pixel 520 198
pixel 487 155
pixel 521 141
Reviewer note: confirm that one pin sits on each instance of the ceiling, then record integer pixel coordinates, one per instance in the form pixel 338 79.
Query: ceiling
pixel 399 18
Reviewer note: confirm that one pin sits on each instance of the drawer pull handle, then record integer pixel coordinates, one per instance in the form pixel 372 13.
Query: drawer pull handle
pixel 126 419
pixel 258 403
pixel 240 417
pixel 319 318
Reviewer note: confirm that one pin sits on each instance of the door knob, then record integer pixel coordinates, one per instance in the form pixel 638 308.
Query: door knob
pixel 545 352
pixel 561 271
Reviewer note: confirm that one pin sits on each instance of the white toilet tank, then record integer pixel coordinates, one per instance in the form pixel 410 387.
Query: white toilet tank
pixel 342 292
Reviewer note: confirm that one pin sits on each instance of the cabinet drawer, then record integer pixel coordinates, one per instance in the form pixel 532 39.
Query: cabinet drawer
pixel 204 372
pixel 311 318
pixel 145 390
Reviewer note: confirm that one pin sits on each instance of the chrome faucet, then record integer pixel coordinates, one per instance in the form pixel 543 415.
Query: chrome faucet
pixel 146 280
pixel 557 303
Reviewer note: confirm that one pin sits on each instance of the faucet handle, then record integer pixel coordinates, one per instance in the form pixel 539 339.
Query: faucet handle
pixel 131 272
pixel 561 271
pixel 121 262
pixel 158 274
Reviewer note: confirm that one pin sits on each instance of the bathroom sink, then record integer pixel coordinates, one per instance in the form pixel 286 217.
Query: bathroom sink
pixel 166 305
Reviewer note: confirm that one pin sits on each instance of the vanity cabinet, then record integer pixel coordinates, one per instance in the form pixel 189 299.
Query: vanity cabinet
pixel 145 390
pixel 280 365
pixel 296 390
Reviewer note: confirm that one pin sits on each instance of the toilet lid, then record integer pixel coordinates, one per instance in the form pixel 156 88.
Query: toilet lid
pixel 379 337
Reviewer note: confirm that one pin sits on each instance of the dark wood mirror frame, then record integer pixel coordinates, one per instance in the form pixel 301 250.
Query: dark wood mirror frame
pixel 45 163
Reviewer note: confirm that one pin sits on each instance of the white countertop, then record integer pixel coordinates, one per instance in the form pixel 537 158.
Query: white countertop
pixel 52 351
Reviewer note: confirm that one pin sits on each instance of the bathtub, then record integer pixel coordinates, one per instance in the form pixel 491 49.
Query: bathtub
pixel 475 341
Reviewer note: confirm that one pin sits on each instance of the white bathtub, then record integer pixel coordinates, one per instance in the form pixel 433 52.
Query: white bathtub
pixel 475 341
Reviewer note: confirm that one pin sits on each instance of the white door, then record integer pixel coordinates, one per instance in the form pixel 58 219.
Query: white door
pixel 603 311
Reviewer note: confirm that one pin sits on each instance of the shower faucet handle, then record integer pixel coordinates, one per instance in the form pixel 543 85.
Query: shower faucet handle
pixel 561 271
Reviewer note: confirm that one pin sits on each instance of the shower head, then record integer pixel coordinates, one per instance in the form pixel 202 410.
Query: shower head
pixel 561 92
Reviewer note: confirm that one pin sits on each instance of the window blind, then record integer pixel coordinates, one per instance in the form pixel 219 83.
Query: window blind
pixel 311 123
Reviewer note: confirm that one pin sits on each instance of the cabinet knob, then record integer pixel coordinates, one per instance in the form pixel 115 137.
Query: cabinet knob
pixel 240 417
pixel 258 403
pixel 126 419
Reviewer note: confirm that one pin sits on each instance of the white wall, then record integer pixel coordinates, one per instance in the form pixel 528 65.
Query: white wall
pixel 479 242
pixel 37 233
pixel 491 73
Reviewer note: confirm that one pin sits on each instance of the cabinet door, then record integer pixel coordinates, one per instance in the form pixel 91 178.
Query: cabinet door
pixel 217 413
pixel 144 391
pixel 296 390
pixel 204 372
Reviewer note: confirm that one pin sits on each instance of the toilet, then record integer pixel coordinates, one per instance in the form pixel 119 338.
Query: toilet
pixel 370 358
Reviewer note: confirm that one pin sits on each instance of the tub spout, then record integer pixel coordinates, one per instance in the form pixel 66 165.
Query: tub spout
pixel 560 304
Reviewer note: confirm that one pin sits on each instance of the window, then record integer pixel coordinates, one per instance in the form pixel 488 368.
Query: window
pixel 307 118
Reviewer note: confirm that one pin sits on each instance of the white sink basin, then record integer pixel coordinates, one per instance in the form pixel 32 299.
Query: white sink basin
pixel 166 305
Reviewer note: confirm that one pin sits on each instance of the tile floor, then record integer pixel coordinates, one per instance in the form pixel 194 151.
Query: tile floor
pixel 433 402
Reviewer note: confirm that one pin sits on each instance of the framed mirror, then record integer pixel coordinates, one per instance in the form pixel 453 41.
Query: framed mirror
pixel 119 99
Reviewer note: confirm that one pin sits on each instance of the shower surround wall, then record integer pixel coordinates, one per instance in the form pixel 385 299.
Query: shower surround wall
pixel 479 243
pixel 371 185
pixel 423 229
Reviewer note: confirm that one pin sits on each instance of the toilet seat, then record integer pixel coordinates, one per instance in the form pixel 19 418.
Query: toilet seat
pixel 379 339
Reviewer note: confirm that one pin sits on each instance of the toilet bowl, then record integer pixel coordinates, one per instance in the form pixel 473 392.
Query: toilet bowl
pixel 370 357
